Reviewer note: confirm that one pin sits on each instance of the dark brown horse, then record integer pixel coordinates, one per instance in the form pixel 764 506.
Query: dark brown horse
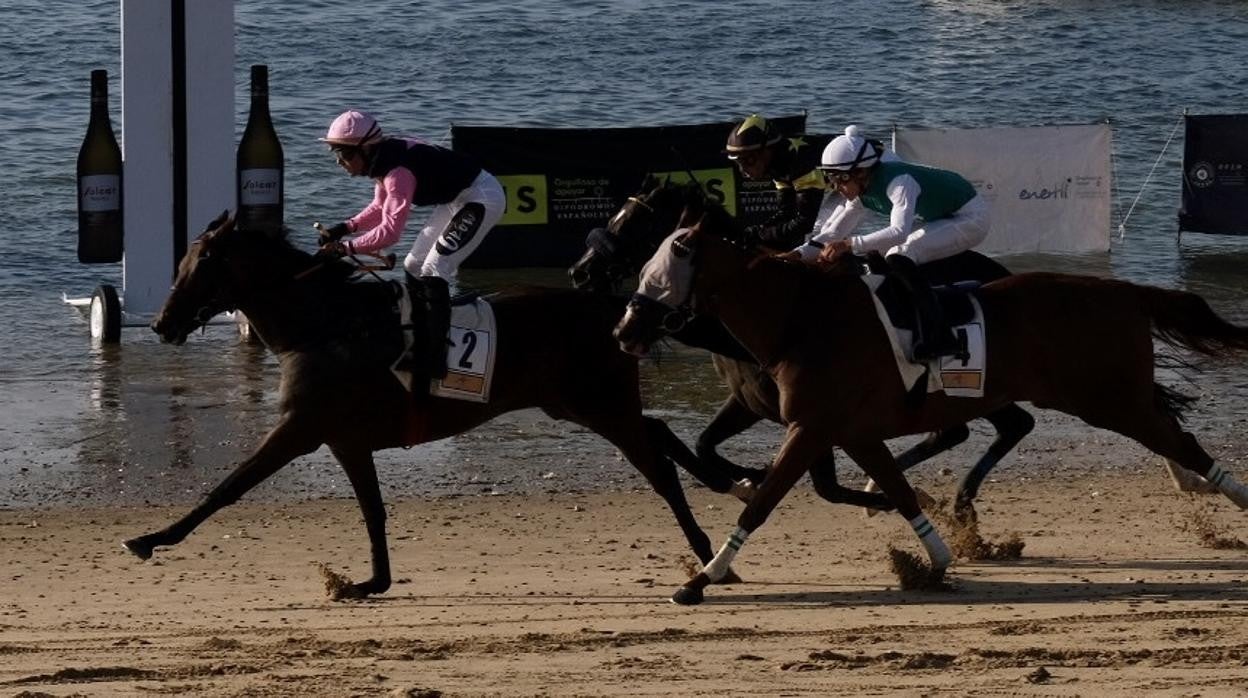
pixel 631 237
pixel 336 338
pixel 1077 344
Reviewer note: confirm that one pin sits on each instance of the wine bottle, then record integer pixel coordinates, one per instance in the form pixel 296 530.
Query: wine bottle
pixel 100 232
pixel 260 168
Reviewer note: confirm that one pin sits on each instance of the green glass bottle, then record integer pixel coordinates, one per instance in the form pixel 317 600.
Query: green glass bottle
pixel 100 230
pixel 260 168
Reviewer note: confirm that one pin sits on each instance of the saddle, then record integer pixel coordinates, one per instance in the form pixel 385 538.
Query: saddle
pixel 909 305
pixel 954 301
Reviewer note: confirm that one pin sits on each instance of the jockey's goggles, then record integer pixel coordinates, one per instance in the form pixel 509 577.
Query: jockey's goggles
pixel 837 176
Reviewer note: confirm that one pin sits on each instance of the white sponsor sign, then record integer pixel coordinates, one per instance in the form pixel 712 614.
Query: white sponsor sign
pixel 260 187
pixel 1049 187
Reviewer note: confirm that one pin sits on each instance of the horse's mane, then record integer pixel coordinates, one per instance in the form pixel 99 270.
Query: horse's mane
pixel 278 252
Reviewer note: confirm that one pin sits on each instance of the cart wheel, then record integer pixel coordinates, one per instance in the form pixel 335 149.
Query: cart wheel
pixel 105 315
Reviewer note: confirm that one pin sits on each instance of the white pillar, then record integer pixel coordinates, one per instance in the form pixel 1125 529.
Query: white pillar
pixel 177 87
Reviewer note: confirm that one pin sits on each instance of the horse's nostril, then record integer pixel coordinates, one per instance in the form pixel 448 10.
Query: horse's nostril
pixel 579 276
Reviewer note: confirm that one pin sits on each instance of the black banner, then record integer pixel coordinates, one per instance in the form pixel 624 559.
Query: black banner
pixel 561 183
pixel 1215 175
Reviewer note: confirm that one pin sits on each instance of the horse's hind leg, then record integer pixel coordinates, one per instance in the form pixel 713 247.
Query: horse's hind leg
pixel 671 446
pixel 936 443
pixel 362 472
pixel 823 477
pixel 877 461
pixel 629 434
pixel 1158 430
pixel 283 444
pixel 732 418
pixel 1012 424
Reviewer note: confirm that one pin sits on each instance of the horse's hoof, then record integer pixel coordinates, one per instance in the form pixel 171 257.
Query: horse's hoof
pixel 964 512
pixel 926 501
pixel 141 550
pixel 688 596
pixel 1187 481
pixel 743 490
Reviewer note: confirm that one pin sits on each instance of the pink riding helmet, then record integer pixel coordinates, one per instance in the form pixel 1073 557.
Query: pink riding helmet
pixel 353 128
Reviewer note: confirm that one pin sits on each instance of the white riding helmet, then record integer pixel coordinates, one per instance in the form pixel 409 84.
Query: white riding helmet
pixel 850 152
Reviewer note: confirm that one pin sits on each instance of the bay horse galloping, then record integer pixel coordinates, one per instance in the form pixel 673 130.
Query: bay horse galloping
pixel 336 338
pixel 1077 344
pixel 631 237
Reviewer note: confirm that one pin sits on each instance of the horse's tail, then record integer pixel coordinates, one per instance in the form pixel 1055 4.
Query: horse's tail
pixel 1184 319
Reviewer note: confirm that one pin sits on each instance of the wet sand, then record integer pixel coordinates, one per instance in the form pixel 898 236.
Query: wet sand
pixel 566 594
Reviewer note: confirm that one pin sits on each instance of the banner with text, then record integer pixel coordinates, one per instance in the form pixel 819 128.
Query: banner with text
pixel 1215 174
pixel 1050 187
pixel 562 183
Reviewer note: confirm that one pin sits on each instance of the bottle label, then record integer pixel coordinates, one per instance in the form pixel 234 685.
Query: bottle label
pixel 100 193
pixel 260 187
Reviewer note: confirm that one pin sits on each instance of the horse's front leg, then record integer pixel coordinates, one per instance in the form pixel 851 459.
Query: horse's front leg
pixel 733 417
pixel 362 472
pixel 285 442
pixel 799 450
pixel 878 462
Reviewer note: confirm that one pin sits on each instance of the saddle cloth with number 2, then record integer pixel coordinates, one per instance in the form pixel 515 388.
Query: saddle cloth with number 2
pixel 470 350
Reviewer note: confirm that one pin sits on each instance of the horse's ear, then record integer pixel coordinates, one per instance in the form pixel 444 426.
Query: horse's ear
pixel 694 191
pixel 691 217
pixel 218 221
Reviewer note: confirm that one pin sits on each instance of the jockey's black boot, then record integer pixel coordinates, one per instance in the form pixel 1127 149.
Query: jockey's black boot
pixel 412 361
pixel 934 339
pixel 437 322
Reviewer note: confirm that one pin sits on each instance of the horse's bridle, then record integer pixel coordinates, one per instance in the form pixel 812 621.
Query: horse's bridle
pixel 624 254
pixel 674 318
pixel 219 302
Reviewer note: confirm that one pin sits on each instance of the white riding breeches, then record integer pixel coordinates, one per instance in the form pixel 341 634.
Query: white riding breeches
pixel 456 228
pixel 945 237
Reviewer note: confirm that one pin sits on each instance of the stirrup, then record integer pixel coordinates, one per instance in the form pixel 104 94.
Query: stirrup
pixel 947 344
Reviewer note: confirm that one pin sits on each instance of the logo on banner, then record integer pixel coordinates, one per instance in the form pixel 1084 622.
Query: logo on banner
pixel 1059 190
pixel 526 199
pixel 718 184
pixel 1201 175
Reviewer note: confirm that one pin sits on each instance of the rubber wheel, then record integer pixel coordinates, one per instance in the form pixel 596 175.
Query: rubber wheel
pixel 105 315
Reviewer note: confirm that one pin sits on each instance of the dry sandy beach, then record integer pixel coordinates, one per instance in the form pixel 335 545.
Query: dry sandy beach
pixel 562 594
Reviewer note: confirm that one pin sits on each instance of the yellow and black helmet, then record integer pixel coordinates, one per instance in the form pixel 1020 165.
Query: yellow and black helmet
pixel 754 133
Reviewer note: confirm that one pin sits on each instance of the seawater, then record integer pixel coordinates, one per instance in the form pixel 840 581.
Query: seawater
pixel 146 422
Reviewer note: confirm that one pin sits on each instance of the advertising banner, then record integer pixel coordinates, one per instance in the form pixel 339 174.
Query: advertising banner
pixel 1049 187
pixel 1215 174
pixel 562 183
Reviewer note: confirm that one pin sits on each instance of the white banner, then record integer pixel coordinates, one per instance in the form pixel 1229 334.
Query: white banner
pixel 1049 186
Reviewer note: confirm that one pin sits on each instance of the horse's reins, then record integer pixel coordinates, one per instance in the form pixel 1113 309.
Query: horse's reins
pixel 639 202
pixel 387 261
